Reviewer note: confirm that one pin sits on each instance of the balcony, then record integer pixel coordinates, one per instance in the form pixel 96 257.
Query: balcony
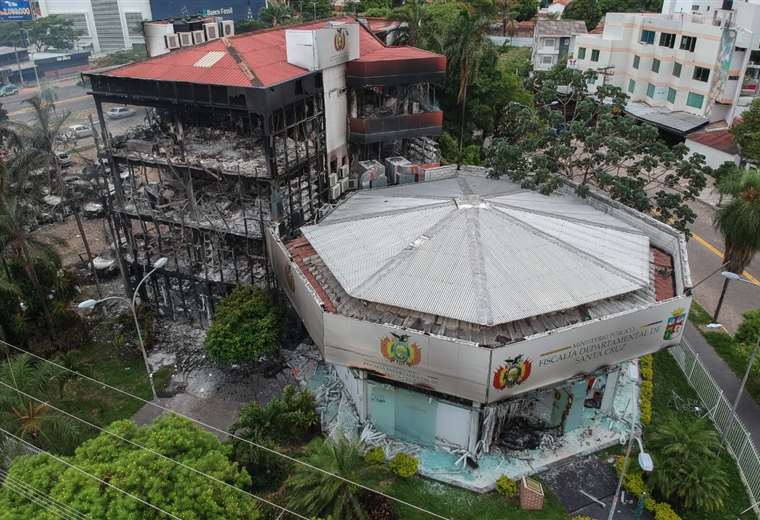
pixel 390 128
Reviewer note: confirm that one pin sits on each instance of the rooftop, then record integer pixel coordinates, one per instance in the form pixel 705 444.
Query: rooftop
pixel 682 122
pixel 256 59
pixel 559 27
pixel 721 140
pixel 456 257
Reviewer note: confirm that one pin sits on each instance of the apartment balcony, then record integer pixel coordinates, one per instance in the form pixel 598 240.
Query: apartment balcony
pixel 366 130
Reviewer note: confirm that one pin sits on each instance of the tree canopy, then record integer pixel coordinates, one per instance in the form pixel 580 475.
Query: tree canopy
pixel 747 132
pixel 586 10
pixel 156 480
pixel 585 139
pixel 47 32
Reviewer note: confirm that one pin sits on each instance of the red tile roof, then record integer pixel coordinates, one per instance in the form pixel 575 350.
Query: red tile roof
pixel 721 140
pixel 256 59
pixel 664 281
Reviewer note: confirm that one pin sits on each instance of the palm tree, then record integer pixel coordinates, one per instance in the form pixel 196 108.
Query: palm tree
pixel 413 14
pixel 17 189
pixel 275 13
pixel 42 135
pixel 32 419
pixel 320 495
pixel 687 455
pixel 464 49
pixel 739 223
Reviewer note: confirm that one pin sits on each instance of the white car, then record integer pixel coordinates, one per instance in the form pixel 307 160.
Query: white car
pixel 79 131
pixel 119 113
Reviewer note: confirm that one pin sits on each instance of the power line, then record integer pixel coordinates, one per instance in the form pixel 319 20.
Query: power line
pixel 232 435
pixel 18 488
pixel 80 470
pixel 70 511
pixel 154 452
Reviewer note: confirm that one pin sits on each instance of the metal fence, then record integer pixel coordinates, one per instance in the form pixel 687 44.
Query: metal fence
pixel 729 425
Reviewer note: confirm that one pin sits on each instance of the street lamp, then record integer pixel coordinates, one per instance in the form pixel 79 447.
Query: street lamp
pixel 728 276
pixel 90 304
pixel 738 278
pixel 645 462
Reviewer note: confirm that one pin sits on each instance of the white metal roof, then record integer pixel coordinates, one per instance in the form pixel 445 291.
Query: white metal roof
pixel 479 250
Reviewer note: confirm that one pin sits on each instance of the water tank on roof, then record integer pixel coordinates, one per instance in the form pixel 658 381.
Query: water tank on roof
pixel 155 37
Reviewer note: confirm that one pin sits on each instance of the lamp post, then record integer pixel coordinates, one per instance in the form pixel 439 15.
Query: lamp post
pixel 645 462
pixel 90 304
pixel 728 276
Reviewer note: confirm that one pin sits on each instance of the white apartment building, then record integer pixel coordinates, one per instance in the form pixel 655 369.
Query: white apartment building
pixel 691 64
pixel 104 25
pixel 553 41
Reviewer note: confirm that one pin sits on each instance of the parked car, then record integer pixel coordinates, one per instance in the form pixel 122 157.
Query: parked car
pixel 119 113
pixel 8 90
pixel 64 159
pixel 79 131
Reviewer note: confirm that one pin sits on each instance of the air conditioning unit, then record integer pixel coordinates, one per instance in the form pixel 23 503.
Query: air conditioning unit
pixel 344 184
pixel 172 41
pixel 332 179
pixel 228 28
pixel 186 39
pixel 335 192
pixel 212 31
pixel 199 37
pixel 344 171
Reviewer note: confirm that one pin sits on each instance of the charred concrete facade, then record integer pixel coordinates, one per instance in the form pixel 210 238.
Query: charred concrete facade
pixel 242 132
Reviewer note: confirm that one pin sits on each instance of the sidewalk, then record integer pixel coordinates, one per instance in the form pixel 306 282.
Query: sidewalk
pixel 749 410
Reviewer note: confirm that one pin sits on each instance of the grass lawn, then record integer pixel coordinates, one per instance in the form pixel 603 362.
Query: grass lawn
pixel 668 377
pixel 734 353
pixel 458 503
pixel 101 405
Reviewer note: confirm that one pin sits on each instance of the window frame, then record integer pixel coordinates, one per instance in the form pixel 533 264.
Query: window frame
pixel 650 90
pixel 674 93
pixel 667 40
pixel 631 86
pixel 646 41
pixel 701 70
pixel 688 43
pixel 636 61
pixel 553 40
pixel 595 55
pixel 581 53
pixel 680 69
pixel 655 66
pixel 701 103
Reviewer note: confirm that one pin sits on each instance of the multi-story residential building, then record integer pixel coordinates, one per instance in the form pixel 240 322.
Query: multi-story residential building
pixel 553 42
pixel 103 25
pixel 681 68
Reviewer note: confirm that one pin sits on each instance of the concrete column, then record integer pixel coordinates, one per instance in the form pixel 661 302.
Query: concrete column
pixel 474 436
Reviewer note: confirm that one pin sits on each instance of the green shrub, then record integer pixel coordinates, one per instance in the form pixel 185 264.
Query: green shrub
pixel 403 465
pixel 663 511
pixel 646 367
pixel 507 486
pixel 375 456
pixel 247 325
pixel 12 323
pixel 646 391
pixel 581 517
pixel 750 327
pixel 288 419
pixel 266 469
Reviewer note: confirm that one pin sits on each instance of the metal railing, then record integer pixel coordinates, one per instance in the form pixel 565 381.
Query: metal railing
pixel 736 436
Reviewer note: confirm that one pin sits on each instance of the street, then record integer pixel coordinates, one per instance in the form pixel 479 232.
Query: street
pixel 76 102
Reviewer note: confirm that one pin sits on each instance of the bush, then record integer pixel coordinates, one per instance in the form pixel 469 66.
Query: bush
pixel 750 327
pixel 581 517
pixel 403 465
pixel 287 420
pixel 646 367
pixel 507 487
pixel 247 326
pixel 267 470
pixel 645 401
pixel 375 456
pixel 663 511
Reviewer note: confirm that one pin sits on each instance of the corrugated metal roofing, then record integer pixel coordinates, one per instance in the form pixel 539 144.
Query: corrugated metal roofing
pixel 262 52
pixel 478 250
pixel 678 120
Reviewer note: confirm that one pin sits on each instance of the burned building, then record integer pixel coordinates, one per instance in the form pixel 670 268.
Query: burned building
pixel 246 130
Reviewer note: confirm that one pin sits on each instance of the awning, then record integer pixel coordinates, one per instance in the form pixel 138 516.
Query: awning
pixel 673 120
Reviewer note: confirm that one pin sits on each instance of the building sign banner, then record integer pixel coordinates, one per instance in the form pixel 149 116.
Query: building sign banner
pixel 226 9
pixel 584 348
pixel 15 11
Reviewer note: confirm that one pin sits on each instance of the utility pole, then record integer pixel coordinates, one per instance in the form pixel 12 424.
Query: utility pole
pixel 606 72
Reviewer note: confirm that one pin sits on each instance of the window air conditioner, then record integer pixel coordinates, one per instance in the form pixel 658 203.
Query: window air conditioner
pixel 335 192
pixel 199 37
pixel 344 170
pixel 333 179
pixel 212 31
pixel 172 41
pixel 228 28
pixel 344 184
pixel 186 39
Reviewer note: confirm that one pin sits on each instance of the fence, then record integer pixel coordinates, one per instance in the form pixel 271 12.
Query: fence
pixel 729 425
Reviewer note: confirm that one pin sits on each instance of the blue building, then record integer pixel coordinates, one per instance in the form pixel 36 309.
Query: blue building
pixel 226 9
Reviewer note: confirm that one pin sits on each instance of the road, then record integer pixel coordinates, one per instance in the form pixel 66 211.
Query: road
pixel 705 250
pixel 76 103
